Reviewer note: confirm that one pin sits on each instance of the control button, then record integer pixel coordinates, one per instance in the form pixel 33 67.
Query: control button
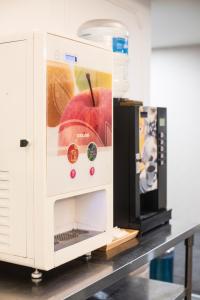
pixel 73 173
pixel 161 162
pixel 92 171
pixel 161 155
pixel 161 142
pixel 162 134
pixel 72 153
pixel 92 151
pixel 162 148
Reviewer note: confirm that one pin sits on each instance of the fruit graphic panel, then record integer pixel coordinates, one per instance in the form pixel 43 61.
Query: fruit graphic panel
pixel 148 149
pixel 79 105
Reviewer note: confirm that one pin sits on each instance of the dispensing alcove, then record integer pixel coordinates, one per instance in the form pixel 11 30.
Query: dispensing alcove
pixel 79 218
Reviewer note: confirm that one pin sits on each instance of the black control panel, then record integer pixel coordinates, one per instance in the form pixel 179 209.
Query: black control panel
pixel 162 138
pixel 162 155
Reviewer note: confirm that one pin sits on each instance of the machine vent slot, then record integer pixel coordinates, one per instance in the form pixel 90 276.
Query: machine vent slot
pixel 4 221
pixel 4 233
pixel 4 210
pixel 4 184
pixel 71 237
pixel 4 175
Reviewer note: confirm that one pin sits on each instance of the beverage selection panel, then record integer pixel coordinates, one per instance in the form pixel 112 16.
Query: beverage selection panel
pixel 162 137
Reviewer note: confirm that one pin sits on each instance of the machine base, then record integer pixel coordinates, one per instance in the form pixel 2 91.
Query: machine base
pixel 150 221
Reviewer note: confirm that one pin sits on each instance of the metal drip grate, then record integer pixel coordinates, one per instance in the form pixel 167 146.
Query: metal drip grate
pixel 68 235
pixel 71 237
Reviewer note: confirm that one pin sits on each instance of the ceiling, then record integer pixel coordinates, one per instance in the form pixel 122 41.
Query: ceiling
pixel 175 23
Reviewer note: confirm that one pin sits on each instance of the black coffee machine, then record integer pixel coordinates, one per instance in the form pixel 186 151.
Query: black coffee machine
pixel 140 166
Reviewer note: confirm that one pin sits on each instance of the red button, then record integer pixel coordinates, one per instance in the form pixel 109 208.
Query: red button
pixel 92 171
pixel 73 173
pixel 72 153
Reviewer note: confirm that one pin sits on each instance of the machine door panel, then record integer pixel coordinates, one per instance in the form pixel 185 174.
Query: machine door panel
pixel 79 116
pixel 13 158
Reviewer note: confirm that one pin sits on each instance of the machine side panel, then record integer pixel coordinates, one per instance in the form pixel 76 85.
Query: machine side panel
pixel 121 166
pixel 14 152
pixel 134 165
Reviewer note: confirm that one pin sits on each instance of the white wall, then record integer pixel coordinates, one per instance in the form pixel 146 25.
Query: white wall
pixel 175 22
pixel 176 84
pixel 65 16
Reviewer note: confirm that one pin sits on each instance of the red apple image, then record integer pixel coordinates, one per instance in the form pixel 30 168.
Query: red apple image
pixel 87 118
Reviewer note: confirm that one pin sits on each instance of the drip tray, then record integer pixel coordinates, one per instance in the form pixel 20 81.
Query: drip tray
pixel 72 237
pixel 146 215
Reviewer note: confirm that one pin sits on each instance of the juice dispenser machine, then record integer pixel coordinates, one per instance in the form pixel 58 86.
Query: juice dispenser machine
pixel 56 149
pixel 140 166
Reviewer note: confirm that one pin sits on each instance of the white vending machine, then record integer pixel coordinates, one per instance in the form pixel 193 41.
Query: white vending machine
pixel 56 201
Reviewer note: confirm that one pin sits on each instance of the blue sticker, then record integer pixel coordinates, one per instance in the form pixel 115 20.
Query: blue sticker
pixel 120 45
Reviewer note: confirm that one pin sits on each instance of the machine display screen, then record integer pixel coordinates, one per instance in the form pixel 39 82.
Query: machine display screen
pixel 162 122
pixel 70 58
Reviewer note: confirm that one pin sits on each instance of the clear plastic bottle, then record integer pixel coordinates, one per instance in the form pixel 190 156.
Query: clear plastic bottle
pixel 120 66
pixel 114 35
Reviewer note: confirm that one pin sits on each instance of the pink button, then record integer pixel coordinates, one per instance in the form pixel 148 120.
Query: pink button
pixel 73 173
pixel 92 171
